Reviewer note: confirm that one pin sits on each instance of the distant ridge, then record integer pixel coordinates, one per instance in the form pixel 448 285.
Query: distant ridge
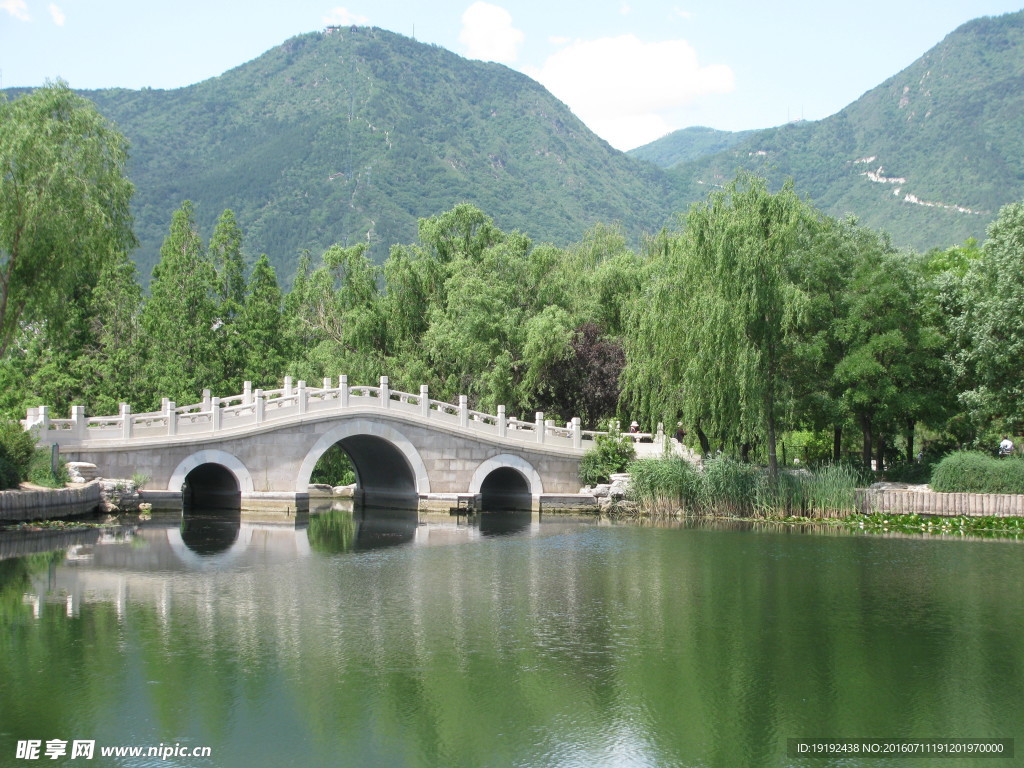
pixel 352 135
pixel 930 155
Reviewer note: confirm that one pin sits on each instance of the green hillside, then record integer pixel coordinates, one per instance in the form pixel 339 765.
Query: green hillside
pixel 354 135
pixel 688 144
pixel 929 155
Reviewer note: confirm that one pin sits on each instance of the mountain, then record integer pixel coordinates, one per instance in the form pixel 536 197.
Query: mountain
pixel 352 134
pixel 688 144
pixel 930 155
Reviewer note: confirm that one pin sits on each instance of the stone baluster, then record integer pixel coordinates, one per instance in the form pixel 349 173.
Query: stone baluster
pixel 577 433
pixel 343 386
pixel 246 393
pixel 424 401
pixel 502 422
pixel 78 421
pixel 539 426
pixel 43 420
pixel 385 392
pixel 32 415
pixel 659 437
pixel 327 382
pixel 170 410
pixel 126 421
pixel 261 406
pixel 215 413
pixel 287 386
pixel 463 411
pixel 302 397
pixel 206 400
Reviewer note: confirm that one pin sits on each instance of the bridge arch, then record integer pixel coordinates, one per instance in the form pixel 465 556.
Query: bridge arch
pixel 374 449
pixel 212 456
pixel 506 481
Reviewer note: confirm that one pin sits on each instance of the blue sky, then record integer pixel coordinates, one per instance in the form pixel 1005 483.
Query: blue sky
pixel 632 70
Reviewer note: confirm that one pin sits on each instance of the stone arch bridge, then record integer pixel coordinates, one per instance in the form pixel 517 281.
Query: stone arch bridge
pixel 264 446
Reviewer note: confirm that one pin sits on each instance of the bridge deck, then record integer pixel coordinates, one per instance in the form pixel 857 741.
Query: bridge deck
pixel 256 410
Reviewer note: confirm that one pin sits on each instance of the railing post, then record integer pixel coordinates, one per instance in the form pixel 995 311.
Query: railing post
pixel 539 426
pixel 577 433
pixel 246 393
pixel 303 397
pixel 44 421
pixel 32 415
pixel 261 406
pixel 287 386
pixel 126 421
pixel 327 382
pixel 215 413
pixel 172 417
pixel 424 401
pixel 659 438
pixel 78 420
pixel 502 422
pixel 463 411
pixel 206 400
pixel 343 386
pixel 385 393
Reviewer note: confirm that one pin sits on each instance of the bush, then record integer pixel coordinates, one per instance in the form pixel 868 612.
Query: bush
pixel 40 470
pixel 611 453
pixel 16 449
pixel 909 472
pixel 976 472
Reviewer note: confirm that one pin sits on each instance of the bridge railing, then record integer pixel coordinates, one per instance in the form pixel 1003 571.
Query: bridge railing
pixel 294 401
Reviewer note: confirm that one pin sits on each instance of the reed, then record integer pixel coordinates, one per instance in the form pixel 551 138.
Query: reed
pixel 728 488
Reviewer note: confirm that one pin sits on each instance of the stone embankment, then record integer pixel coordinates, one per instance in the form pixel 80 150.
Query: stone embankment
pixel 29 503
pixel 87 494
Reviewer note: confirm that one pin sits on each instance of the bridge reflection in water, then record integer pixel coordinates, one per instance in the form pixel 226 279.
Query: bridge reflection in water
pixel 336 527
pixel 145 561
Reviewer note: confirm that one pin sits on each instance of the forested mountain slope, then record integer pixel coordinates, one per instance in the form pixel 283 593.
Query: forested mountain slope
pixel 929 155
pixel 352 135
pixel 688 144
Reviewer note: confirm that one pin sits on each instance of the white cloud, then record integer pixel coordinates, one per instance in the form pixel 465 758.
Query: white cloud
pixel 681 13
pixel 57 14
pixel 17 8
pixel 344 17
pixel 487 33
pixel 624 89
pixel 625 9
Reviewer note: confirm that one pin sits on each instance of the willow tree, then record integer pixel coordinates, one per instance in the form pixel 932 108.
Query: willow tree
pixel 63 203
pixel 711 339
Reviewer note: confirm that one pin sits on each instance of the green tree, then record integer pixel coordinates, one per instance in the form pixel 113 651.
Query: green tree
pixel 713 337
pixel 990 332
pixel 259 327
pixel 64 203
pixel 883 336
pixel 180 320
pixel 226 254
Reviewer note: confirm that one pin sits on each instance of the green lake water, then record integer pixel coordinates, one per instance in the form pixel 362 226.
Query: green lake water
pixel 516 642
